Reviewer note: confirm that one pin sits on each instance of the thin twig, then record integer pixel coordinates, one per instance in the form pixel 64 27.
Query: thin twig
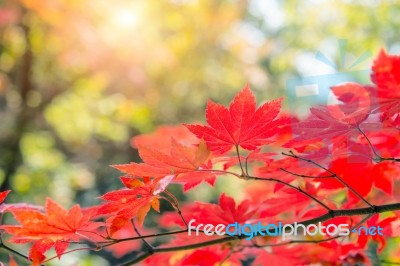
pixel 149 236
pixel 148 245
pixel 70 251
pixel 115 241
pixel 137 259
pixel 294 187
pixel 379 157
pixel 305 176
pixel 332 173
pixel 176 206
pixel 2 245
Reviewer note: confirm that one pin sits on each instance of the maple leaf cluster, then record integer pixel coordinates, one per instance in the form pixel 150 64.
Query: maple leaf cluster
pixel 342 157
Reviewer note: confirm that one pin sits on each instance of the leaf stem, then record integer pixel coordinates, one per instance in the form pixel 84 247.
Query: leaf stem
pixel 240 161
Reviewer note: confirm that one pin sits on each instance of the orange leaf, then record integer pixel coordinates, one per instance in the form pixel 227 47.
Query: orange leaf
pixel 51 228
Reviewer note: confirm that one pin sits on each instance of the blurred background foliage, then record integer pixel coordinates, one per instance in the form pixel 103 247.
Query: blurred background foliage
pixel 79 78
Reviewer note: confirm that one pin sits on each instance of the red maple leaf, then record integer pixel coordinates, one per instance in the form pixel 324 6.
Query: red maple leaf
pixel 241 125
pixel 321 125
pixel 226 212
pixel 276 256
pixel 136 201
pixel 3 195
pixel 122 248
pixel 385 224
pixel 299 203
pixel 229 212
pixel 361 176
pixel 386 76
pixel 184 163
pixel 53 228
pixel 161 138
pixel 337 252
pixel 211 256
pixel 338 122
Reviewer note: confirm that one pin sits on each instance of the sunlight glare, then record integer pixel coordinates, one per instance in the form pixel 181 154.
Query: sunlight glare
pixel 125 18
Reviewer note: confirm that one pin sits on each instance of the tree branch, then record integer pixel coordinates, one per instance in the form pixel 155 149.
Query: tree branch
pixel 322 218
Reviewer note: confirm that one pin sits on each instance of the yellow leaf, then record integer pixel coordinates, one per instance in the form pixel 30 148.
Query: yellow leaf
pixel 142 213
pixel 202 153
pixel 155 203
